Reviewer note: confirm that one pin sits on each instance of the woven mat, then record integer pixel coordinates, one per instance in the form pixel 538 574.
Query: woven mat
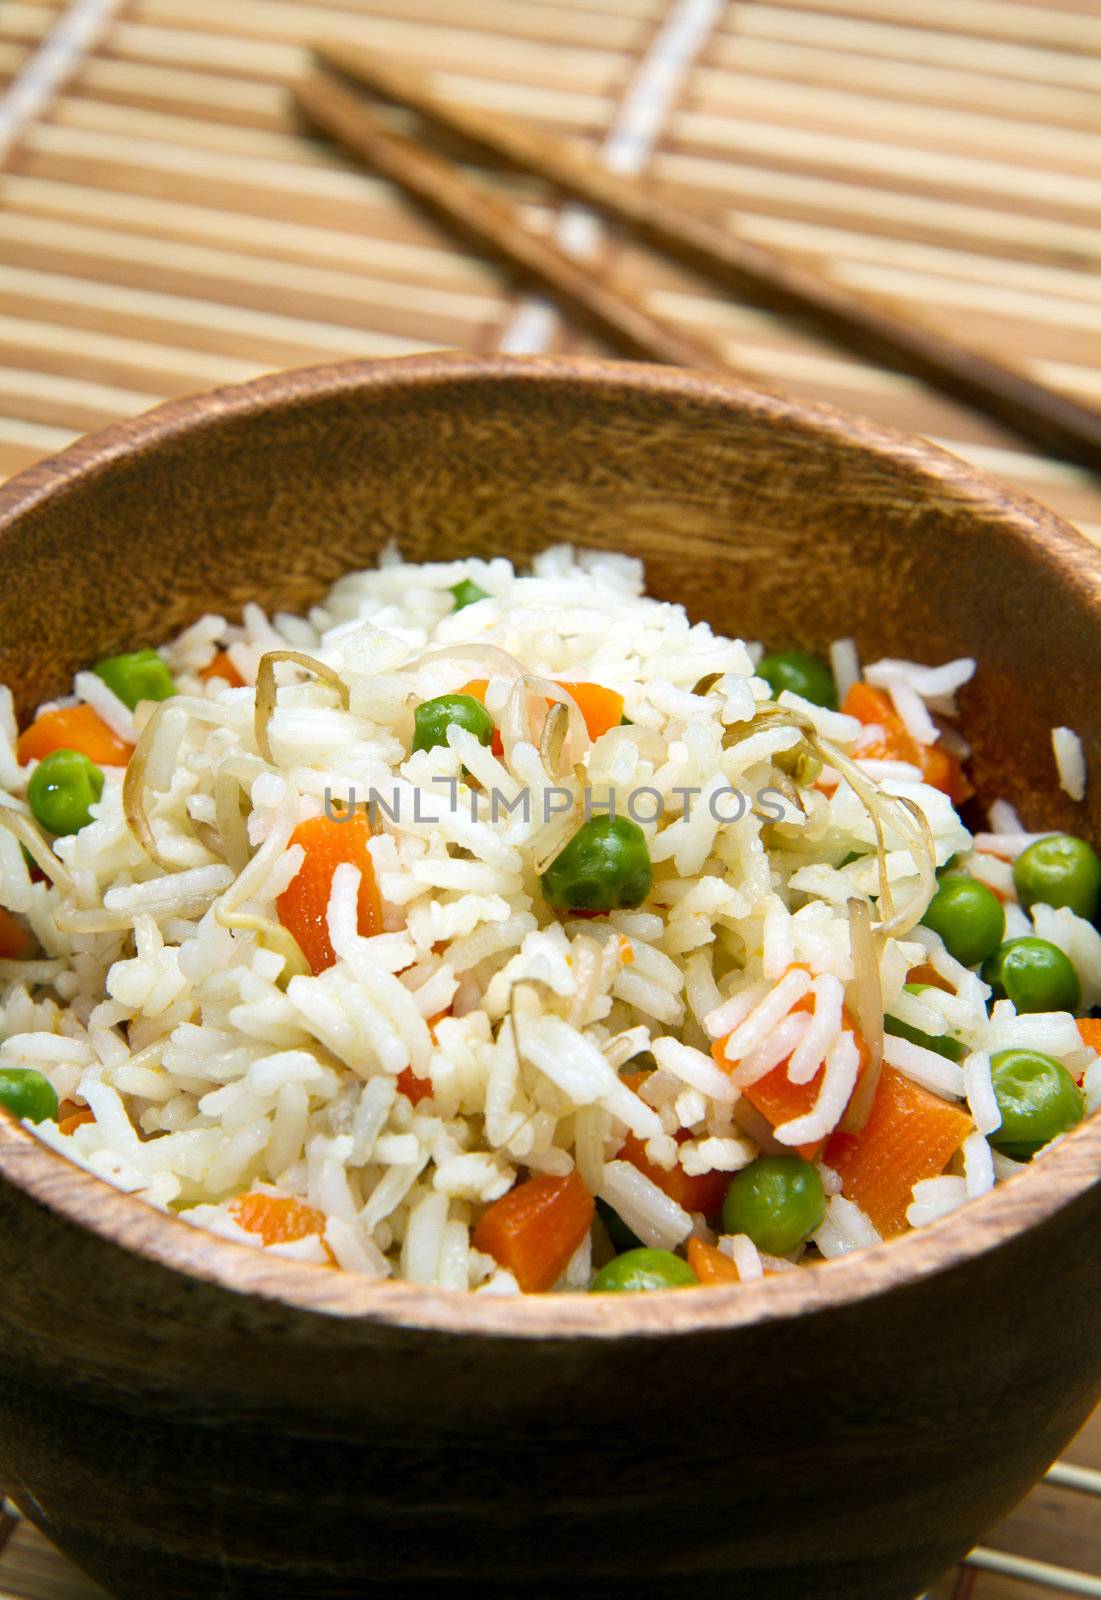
pixel 165 227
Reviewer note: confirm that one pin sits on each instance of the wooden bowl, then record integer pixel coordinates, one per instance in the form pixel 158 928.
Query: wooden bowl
pixel 185 1418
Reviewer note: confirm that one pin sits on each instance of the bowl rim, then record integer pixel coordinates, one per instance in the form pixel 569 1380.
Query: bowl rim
pixel 1062 1175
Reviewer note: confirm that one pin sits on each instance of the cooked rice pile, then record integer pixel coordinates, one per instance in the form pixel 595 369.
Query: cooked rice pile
pixel 161 1002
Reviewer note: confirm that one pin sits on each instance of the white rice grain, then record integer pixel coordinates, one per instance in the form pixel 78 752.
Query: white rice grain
pixel 745 1256
pixel 934 1072
pixel 1070 762
pixel 820 1036
pixel 424 1235
pixel 784 1039
pixel 644 1208
pixel 694 1068
pixel 845 665
pixel 844 1228
pixel 934 1198
pixel 838 1083
pixel 355 1251
pixel 107 705
pixel 775 1005
pixel 979 1089
pixel 978 1166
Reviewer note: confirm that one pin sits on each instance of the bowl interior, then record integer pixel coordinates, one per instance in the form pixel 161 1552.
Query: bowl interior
pixel 771 519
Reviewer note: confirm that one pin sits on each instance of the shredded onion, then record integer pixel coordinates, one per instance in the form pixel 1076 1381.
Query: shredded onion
pixel 133 788
pixel 272 935
pixel 69 918
pixel 229 781
pixel 266 691
pixel 705 684
pixel 553 838
pixel 499 663
pixel 901 812
pixel 33 840
pixel 528 696
pixel 866 999
pixel 553 738
pixel 252 877
pixel 623 1047
pixel 758 1127
pixel 587 963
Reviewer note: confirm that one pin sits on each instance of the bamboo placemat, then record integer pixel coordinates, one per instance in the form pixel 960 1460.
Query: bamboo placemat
pixel 165 227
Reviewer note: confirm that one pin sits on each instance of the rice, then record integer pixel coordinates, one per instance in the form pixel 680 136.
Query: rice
pixel 979 1090
pixel 746 1257
pixel 465 1037
pixel 1070 762
pixel 843 1229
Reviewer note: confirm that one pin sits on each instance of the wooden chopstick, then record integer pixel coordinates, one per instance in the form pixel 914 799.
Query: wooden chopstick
pixel 496 225
pixel 884 332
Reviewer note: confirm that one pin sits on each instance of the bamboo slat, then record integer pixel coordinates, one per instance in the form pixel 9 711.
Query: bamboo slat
pixel 165 226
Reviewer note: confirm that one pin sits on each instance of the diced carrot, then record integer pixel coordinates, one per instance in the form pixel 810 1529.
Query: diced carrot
pixel 873 706
pixel 927 974
pixel 15 941
pixel 938 767
pixel 276 1218
pixel 77 1118
pixel 910 1135
pixel 1089 1031
pixel 534 1229
pixel 304 903
pixel 944 771
pixel 476 689
pixel 602 708
pixel 222 667
pixel 73 728
pixel 635 1080
pixel 704 1193
pixel 709 1264
pixel 414 1088
pixel 626 950
pixel 777 1098
pixel 779 1101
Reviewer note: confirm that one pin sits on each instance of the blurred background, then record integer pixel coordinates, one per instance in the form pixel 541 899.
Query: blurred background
pixel 167 225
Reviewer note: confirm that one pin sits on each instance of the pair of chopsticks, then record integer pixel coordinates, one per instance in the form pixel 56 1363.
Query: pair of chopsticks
pixel 870 327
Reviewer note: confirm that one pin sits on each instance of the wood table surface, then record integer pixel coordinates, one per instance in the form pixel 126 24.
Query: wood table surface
pixel 166 227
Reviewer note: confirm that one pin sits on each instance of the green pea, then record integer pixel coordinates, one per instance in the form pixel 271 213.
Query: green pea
pixel 27 1094
pixel 1059 871
pixel 1037 1098
pixel 945 1046
pixel 432 719
pixel 466 592
pixel 969 918
pixel 777 1201
pixel 617 1230
pixel 141 675
pixel 1034 974
pixel 63 788
pixel 640 1270
pixel 801 673
pixel 604 867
